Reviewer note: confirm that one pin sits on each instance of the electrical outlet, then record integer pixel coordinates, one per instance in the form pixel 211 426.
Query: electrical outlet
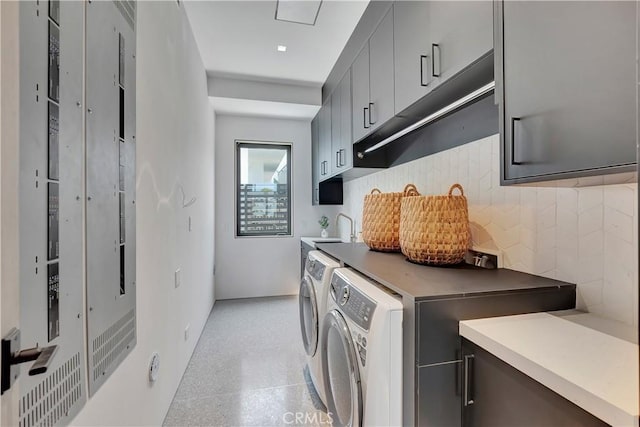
pixel 484 257
pixel 177 278
pixel 186 333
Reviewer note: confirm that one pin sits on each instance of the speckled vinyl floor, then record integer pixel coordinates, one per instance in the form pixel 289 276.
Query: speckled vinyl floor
pixel 248 369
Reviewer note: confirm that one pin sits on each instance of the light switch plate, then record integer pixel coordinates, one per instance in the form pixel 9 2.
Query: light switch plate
pixel 177 278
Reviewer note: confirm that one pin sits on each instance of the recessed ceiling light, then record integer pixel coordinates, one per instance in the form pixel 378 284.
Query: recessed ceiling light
pixel 282 48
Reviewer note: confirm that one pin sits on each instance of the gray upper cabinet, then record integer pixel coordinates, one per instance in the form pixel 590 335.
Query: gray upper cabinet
pixel 434 40
pixel 324 141
pixel 372 80
pixel 360 101
pixel 568 104
pixel 336 129
pixel 381 98
pixel 341 145
pixel 315 164
pixel 459 32
pixel 412 52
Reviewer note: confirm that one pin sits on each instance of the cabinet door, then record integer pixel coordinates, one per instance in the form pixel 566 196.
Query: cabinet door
pixel 315 162
pixel 346 154
pixel 569 78
pixel 381 98
pixel 360 86
pixel 411 52
pixel 439 396
pixel 341 124
pixel 494 394
pixel 336 128
pixel 460 32
pixel 324 147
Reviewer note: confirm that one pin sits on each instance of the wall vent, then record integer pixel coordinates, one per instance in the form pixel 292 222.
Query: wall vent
pixel 52 400
pixel 128 10
pixel 113 342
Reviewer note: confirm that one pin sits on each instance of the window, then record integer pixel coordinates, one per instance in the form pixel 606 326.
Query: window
pixel 263 190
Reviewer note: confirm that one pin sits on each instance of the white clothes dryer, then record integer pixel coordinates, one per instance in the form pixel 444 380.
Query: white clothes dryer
pixel 314 289
pixel 362 352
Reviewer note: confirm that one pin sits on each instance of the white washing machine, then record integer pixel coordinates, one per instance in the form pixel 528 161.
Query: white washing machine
pixel 314 289
pixel 362 356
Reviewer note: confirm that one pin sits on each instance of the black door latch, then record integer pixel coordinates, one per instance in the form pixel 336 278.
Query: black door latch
pixel 12 356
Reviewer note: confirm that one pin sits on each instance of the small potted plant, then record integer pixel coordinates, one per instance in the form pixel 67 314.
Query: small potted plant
pixel 324 223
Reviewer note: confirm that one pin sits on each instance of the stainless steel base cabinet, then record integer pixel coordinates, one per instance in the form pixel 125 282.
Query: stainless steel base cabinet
pixel 498 395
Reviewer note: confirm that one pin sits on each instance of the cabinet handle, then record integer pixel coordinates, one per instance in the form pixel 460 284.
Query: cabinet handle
pixel 422 59
pixel 317 194
pixel 468 376
pixel 337 159
pixel 435 46
pixel 364 117
pixel 342 161
pixel 513 140
pixel 371 113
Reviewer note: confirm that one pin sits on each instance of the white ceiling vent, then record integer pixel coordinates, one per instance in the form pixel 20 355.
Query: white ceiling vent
pixel 298 11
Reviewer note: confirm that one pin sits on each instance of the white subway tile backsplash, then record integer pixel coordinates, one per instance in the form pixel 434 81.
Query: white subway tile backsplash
pixel 589 198
pixel 576 230
pixel 546 198
pixel 591 220
pixel 615 302
pixel 528 237
pixel 590 268
pixel 546 218
pixel 591 244
pixel 620 198
pixel 567 200
pixel 618 224
pixel 590 294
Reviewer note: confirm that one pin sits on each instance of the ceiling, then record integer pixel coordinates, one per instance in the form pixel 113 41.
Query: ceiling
pixel 241 37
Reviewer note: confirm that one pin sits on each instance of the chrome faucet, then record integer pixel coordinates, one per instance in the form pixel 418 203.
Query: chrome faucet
pixel 352 237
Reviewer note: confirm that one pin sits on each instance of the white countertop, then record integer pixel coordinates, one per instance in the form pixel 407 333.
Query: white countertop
pixel 570 355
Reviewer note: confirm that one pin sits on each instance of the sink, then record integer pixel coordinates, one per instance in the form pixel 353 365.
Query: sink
pixel 311 241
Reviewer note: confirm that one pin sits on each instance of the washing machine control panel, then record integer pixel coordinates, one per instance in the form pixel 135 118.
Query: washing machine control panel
pixel 354 304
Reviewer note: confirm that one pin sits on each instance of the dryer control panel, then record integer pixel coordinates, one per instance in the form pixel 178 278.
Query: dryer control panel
pixel 354 304
pixel 315 268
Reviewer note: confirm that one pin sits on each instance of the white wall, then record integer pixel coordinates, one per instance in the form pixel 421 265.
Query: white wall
pixel 254 267
pixel 243 88
pixel 174 147
pixel 586 235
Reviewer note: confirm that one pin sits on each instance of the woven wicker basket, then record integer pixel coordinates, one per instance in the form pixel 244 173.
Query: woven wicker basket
pixel 381 218
pixel 435 229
